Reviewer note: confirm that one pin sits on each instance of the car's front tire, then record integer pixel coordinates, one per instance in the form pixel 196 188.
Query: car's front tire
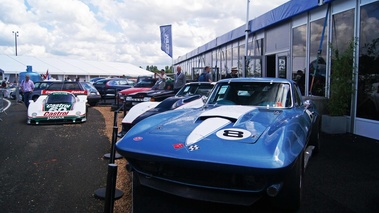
pixel 315 137
pixel 289 198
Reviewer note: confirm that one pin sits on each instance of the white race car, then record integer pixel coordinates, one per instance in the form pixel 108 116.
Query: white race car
pixel 58 107
pixel 192 95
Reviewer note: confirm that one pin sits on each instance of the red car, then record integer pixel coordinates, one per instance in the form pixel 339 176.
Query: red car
pixel 143 85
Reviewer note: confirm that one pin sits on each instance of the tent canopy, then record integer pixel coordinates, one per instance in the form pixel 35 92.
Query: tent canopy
pixel 66 66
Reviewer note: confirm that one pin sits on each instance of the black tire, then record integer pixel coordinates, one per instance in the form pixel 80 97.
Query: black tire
pixel 314 139
pixel 87 113
pixel 289 198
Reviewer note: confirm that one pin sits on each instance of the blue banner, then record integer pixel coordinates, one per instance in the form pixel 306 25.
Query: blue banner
pixel 166 39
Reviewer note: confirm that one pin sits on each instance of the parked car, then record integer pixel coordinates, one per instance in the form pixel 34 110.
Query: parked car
pixel 38 87
pixel 251 139
pixel 93 96
pixel 160 91
pixel 142 85
pixel 109 87
pixel 58 107
pixel 10 92
pixel 192 95
pixel 93 80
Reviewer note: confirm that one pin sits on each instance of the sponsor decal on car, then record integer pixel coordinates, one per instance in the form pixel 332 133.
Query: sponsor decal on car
pixel 54 118
pixel 178 146
pixel 57 107
pixel 193 147
pixel 137 138
pixel 53 114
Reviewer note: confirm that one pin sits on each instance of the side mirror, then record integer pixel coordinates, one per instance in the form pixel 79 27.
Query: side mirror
pixel 308 104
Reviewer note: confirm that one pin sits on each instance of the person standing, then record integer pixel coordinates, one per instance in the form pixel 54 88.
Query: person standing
pixel 161 76
pixel 5 83
pixel 27 87
pixel 233 73
pixel 206 75
pixel 180 79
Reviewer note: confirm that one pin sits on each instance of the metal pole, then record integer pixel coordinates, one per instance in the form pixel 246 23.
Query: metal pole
pixel 111 188
pixel 247 30
pixel 15 39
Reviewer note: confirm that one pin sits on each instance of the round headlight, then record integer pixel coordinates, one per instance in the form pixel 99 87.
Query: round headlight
pixel 146 99
pixel 78 113
pixel 34 114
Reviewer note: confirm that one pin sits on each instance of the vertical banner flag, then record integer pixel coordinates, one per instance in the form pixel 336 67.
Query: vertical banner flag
pixel 166 39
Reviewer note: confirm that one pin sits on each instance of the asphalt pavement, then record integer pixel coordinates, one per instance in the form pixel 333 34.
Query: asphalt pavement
pixel 57 168
pixel 51 168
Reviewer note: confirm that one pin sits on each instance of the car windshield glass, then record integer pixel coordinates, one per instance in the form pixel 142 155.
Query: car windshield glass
pixel 89 87
pixel 60 98
pixel 145 83
pixel 159 85
pixel 252 94
pixel 195 89
pixel 64 86
pixel 100 82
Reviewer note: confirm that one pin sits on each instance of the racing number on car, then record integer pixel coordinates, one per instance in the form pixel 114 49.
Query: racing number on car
pixel 233 134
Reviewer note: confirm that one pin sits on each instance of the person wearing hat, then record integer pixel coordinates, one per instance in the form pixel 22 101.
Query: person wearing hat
pixel 233 73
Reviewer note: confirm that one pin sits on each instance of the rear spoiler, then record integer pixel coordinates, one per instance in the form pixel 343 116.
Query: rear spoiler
pixel 75 92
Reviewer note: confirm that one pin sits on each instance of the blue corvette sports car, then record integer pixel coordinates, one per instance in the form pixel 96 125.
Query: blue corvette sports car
pixel 252 138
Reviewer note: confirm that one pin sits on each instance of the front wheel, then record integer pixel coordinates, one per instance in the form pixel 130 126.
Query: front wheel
pixel 289 198
pixel 315 137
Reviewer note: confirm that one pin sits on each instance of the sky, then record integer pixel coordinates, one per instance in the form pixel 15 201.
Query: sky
pixel 118 30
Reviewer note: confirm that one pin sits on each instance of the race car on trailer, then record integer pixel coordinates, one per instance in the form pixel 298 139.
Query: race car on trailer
pixel 58 107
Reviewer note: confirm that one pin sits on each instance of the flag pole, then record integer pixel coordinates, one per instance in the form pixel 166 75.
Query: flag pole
pixel 247 30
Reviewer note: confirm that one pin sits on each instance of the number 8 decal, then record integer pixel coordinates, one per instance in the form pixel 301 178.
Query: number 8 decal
pixel 233 134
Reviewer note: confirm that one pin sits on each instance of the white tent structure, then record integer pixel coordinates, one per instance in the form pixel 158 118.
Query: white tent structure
pixel 66 67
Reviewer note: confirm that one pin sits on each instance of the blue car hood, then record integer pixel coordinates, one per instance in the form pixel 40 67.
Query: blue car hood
pixel 237 123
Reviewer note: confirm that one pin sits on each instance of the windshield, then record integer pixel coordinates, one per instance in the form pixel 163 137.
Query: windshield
pixel 145 83
pixel 195 89
pixel 252 94
pixel 60 98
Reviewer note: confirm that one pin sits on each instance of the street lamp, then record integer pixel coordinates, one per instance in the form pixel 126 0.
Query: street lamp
pixel 15 39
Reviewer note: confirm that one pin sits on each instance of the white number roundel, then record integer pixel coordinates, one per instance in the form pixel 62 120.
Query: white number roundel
pixel 233 134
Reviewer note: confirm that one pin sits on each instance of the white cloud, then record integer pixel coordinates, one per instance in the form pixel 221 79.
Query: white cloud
pixel 118 30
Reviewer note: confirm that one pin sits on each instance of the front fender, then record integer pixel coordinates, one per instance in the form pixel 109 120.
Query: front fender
pixel 138 110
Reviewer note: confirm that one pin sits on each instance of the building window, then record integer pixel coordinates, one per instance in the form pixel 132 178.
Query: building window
pixel 317 65
pixel 342 36
pixel 299 54
pixel 368 73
